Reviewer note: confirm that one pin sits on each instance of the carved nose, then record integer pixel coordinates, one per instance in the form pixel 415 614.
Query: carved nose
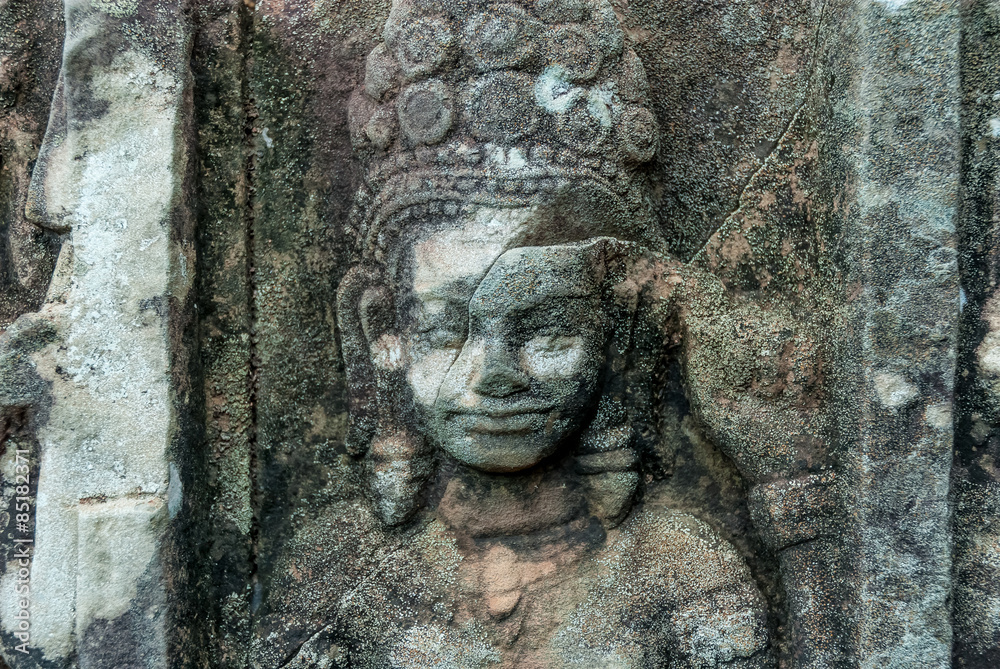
pixel 500 375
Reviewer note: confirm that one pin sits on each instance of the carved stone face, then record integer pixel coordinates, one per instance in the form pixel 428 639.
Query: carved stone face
pixel 505 356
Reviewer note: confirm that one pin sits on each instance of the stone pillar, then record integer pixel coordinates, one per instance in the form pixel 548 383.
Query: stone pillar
pixel 899 112
pixel 108 406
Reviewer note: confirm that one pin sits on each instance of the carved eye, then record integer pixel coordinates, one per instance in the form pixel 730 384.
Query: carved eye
pixel 552 343
pixel 441 338
pixel 556 355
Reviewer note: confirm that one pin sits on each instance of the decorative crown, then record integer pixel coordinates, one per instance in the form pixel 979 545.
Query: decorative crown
pixel 479 102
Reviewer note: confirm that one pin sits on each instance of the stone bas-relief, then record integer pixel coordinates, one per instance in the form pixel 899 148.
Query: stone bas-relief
pixel 525 368
pixel 563 389
pixel 500 335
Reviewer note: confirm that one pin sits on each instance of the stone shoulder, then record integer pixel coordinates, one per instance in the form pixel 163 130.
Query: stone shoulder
pixel 717 615
pixel 669 547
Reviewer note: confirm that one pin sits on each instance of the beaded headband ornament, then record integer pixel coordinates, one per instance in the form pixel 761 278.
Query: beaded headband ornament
pixel 501 104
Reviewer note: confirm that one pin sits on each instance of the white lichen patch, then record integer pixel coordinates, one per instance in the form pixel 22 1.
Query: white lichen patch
pixel 939 416
pixel 432 646
pixel 554 357
pixel 599 104
pixel 109 426
pixel 457 253
pixel 894 391
pixel 387 352
pixel 554 93
pixel 988 353
pixel 428 372
pixel 893 5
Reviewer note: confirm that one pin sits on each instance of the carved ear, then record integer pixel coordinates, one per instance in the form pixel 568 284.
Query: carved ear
pixel 364 307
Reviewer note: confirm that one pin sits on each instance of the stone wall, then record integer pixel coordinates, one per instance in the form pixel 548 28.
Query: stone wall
pixel 194 337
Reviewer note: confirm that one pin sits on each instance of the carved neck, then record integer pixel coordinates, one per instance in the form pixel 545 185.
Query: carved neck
pixel 478 504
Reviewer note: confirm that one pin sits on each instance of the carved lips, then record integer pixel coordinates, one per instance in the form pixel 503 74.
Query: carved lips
pixel 503 423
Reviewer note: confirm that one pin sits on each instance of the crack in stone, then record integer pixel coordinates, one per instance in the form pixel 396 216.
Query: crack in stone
pixel 379 570
pixel 766 161
pixel 468 325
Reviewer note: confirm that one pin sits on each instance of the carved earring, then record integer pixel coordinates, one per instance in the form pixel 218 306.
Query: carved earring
pixel 609 463
pixel 397 461
pixel 608 458
pixel 399 467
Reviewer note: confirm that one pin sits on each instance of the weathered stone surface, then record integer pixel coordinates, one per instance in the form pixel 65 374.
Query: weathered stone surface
pixel 101 400
pixel 903 252
pixel 523 334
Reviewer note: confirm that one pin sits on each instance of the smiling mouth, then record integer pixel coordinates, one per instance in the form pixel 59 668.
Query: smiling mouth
pixel 503 422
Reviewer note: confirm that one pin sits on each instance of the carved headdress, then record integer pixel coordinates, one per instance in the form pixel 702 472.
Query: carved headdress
pixel 474 103
pixel 503 104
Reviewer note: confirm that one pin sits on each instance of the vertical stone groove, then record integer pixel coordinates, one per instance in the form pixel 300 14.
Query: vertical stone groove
pixel 250 117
